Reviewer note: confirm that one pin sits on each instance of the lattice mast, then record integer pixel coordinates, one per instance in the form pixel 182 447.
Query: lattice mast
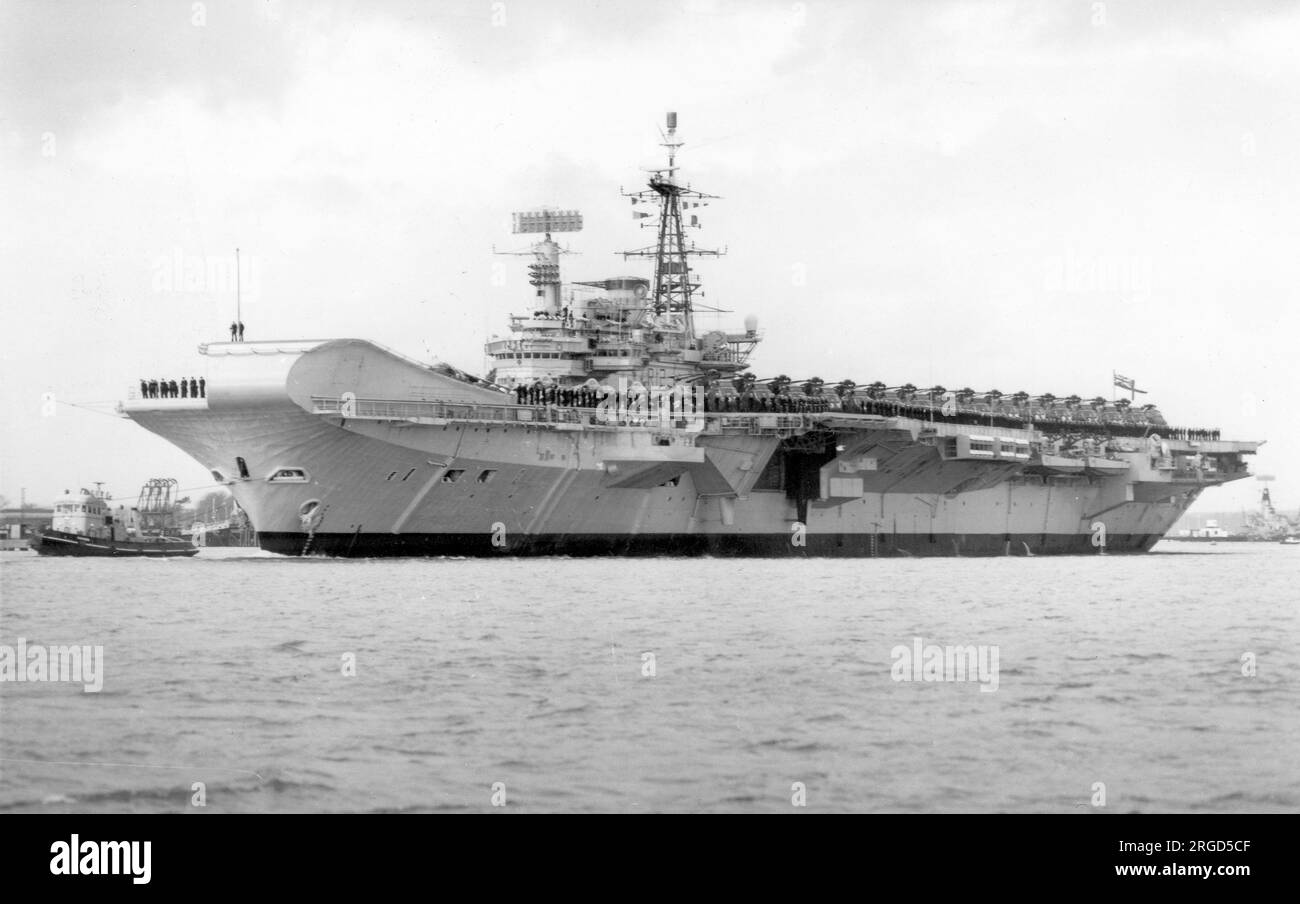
pixel 674 283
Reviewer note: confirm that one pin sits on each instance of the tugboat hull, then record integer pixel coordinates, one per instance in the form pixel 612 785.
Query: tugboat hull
pixel 61 543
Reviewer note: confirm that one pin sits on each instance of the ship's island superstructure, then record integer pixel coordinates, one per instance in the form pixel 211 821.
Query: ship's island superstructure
pixel 608 424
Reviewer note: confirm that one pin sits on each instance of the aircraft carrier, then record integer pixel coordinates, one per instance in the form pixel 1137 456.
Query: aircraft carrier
pixel 608 424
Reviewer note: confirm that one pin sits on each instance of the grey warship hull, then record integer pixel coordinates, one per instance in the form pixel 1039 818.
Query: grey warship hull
pixel 325 465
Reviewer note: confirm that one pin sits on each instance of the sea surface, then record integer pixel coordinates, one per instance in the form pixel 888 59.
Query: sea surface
pixel 768 684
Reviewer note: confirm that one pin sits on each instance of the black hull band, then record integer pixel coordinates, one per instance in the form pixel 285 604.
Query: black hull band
pixel 58 543
pixel 359 545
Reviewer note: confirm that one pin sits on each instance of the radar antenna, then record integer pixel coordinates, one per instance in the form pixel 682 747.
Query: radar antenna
pixel 544 272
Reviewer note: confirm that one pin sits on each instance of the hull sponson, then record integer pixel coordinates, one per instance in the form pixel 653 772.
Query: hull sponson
pixel 358 545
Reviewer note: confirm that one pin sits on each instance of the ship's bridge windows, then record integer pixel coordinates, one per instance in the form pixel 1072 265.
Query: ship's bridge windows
pixel 453 475
pixel 288 475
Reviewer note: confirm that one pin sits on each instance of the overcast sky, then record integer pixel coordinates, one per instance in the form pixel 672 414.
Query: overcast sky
pixel 994 195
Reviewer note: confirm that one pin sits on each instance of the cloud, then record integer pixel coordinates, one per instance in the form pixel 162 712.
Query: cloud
pixel 64 67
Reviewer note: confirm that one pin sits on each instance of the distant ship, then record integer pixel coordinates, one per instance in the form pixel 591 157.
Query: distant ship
pixel 1264 525
pixel 1267 523
pixel 610 424
pixel 1210 533
pixel 85 524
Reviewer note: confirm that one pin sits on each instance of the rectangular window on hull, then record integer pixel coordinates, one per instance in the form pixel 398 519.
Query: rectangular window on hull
pixel 486 475
pixel 453 475
pixel 243 468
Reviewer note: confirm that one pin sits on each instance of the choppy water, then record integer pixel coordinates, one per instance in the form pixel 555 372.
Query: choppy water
pixel 227 671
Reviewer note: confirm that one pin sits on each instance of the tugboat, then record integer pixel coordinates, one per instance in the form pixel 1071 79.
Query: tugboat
pixel 85 524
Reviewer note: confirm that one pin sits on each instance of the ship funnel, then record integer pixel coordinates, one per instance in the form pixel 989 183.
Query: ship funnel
pixel 751 324
pixel 672 121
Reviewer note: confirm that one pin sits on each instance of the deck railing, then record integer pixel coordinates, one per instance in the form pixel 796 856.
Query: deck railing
pixel 396 409
pixel 457 411
pixel 754 422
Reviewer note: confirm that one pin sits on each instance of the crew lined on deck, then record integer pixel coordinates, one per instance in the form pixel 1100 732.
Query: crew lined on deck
pixel 190 388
